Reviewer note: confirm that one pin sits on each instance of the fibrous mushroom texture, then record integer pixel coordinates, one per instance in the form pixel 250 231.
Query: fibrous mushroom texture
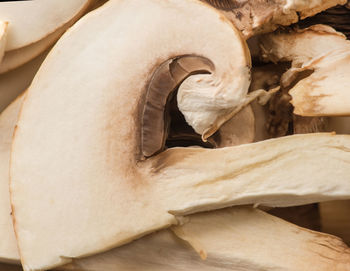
pixel 263 16
pixel 85 162
pixel 8 244
pixel 227 239
pixel 318 80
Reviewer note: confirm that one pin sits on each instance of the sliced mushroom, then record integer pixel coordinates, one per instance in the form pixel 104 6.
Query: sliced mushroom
pixel 44 19
pixel 231 239
pixel 3 38
pixel 47 23
pixel 262 16
pixel 8 244
pixel 78 157
pixel 317 81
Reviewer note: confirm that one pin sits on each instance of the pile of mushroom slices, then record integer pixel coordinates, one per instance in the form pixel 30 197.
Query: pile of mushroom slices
pixel 157 144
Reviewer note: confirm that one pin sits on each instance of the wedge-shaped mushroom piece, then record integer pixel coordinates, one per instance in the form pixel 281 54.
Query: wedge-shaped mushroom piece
pixel 239 238
pixel 262 16
pixel 3 38
pixel 8 244
pixel 80 151
pixel 317 80
pixel 15 82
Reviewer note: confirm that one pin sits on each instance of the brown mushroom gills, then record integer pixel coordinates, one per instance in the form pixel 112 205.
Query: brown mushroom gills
pixel 165 80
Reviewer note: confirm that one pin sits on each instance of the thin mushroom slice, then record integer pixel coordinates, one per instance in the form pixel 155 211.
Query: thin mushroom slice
pixel 83 125
pixel 3 38
pixel 317 81
pixel 44 19
pixel 17 57
pixel 262 16
pixel 240 238
pixel 8 244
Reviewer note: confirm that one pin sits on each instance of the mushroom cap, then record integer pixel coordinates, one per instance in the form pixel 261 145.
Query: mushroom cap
pixel 77 155
pixel 8 244
pixel 228 238
pixel 45 18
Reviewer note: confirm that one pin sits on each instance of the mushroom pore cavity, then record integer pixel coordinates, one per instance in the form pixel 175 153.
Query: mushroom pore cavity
pixel 163 83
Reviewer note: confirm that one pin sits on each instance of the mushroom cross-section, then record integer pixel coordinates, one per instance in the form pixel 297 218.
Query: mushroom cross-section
pixel 317 81
pixel 77 155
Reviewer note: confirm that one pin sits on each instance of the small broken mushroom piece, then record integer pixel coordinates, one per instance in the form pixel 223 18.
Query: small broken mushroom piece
pixel 91 169
pixel 3 38
pixel 318 80
pixel 239 238
pixel 262 16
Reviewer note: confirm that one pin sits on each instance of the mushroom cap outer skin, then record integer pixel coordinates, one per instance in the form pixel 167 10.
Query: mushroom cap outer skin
pixel 8 244
pixel 229 238
pixel 45 18
pixel 3 38
pixel 132 57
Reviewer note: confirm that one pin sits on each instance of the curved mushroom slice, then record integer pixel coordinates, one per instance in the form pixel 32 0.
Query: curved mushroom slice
pixel 3 38
pixel 17 57
pixel 262 16
pixel 89 171
pixel 8 244
pixel 45 18
pixel 317 80
pixel 14 82
pixel 231 239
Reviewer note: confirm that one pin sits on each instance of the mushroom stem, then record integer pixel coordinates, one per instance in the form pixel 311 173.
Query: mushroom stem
pixel 3 38
pixel 270 173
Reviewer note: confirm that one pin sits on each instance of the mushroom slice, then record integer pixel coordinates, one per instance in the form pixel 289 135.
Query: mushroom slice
pixel 3 38
pixel 44 19
pixel 320 58
pixel 77 154
pixel 262 16
pixel 17 57
pixel 239 238
pixel 8 244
